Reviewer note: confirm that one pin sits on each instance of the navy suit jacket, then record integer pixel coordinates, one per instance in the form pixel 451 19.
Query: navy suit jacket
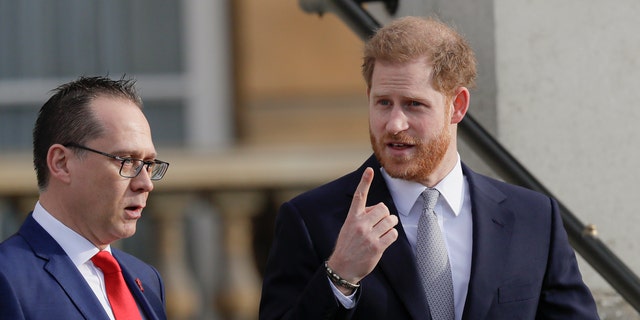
pixel 39 281
pixel 522 264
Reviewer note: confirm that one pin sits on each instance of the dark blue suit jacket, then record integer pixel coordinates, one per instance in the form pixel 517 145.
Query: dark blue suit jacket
pixel 39 281
pixel 522 264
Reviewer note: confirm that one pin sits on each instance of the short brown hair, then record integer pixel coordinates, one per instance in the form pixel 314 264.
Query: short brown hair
pixel 408 38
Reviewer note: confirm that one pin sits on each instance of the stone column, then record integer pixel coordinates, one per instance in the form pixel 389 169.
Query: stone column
pixel 182 296
pixel 239 295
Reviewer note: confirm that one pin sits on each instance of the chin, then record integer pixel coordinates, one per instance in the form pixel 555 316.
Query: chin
pixel 404 173
pixel 128 231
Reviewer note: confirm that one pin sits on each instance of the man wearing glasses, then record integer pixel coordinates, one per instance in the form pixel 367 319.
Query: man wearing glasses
pixel 95 164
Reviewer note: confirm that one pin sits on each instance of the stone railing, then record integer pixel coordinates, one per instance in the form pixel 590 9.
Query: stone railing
pixel 208 222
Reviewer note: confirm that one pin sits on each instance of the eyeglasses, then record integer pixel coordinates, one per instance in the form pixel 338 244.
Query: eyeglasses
pixel 130 167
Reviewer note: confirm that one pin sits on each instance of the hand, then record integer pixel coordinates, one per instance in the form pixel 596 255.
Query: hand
pixel 366 233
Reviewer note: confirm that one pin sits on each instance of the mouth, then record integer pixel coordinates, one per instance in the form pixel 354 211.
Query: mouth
pixel 134 212
pixel 398 145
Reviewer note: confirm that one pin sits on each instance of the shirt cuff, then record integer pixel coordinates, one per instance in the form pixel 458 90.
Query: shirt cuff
pixel 348 302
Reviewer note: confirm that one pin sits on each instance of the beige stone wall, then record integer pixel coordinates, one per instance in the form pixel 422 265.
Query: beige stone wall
pixel 567 108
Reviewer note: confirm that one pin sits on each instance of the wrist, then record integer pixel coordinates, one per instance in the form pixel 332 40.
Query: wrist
pixel 338 280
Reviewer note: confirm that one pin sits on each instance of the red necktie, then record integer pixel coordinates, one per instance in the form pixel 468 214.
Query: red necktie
pixel 122 303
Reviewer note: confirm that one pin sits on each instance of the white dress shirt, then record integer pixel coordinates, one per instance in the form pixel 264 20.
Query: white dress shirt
pixel 454 217
pixel 79 250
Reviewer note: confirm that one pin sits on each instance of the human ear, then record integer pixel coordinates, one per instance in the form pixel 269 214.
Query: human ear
pixel 460 104
pixel 57 162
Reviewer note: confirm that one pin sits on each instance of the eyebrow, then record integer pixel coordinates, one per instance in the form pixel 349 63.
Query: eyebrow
pixel 133 155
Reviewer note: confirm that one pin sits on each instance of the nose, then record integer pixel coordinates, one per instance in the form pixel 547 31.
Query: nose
pixel 397 121
pixel 142 182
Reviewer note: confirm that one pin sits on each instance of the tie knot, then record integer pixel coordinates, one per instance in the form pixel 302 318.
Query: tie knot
pixel 106 262
pixel 429 198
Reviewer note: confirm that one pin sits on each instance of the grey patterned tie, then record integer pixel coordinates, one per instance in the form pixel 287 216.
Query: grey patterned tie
pixel 433 261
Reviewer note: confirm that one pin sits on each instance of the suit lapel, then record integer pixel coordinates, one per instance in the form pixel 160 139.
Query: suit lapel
pixel 136 287
pixel 492 229
pixel 70 279
pixel 62 269
pixel 398 262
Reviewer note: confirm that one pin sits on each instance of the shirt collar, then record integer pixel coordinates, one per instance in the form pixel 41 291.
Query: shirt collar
pixel 405 193
pixel 79 249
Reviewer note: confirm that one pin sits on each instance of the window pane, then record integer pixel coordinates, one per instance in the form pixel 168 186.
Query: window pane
pixel 167 121
pixel 77 37
pixel 16 125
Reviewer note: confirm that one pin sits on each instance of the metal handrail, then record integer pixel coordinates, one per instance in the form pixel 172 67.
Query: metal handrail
pixel 583 238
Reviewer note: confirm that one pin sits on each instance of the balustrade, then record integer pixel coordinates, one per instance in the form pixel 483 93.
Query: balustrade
pixel 232 187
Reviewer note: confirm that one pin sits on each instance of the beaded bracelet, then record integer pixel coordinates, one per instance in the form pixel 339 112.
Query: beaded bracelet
pixel 337 280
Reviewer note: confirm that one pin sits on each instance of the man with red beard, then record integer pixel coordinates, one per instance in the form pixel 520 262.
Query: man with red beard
pixel 354 248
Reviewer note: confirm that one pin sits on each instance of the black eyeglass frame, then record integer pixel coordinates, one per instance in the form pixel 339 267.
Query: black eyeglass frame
pixel 162 165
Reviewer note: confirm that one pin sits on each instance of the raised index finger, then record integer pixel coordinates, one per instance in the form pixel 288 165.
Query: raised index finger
pixel 359 201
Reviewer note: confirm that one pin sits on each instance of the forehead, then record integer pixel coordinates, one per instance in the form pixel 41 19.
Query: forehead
pixel 412 75
pixel 124 124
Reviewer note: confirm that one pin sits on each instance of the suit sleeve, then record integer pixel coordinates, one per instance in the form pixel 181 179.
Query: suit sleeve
pixel 9 305
pixel 295 285
pixel 564 294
